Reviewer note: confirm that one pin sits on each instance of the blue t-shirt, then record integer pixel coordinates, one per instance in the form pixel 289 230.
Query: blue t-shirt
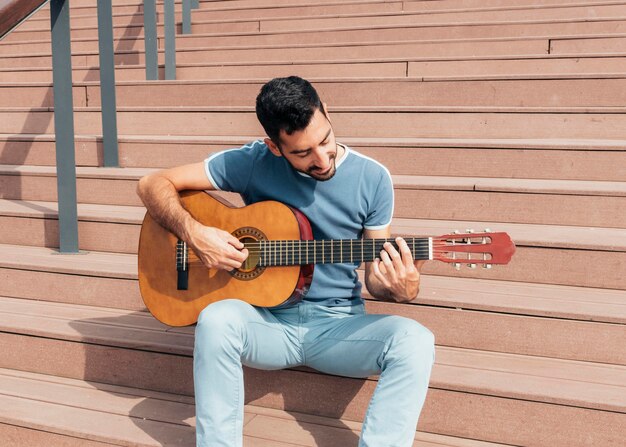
pixel 359 196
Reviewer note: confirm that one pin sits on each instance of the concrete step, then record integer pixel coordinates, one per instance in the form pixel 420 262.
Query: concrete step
pixel 468 385
pixel 476 49
pixel 84 21
pixel 556 202
pixel 319 52
pixel 236 14
pixel 205 32
pixel 494 69
pixel 34 223
pixel 557 67
pixel 603 160
pixel 356 122
pixel 600 46
pixel 230 71
pixel 110 279
pixel 594 255
pixel 423 5
pixel 411 18
pixel 74 412
pixel 350 92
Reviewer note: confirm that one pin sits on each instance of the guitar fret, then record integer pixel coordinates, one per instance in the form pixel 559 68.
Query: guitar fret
pixel 362 253
pixel 283 252
pixel 373 249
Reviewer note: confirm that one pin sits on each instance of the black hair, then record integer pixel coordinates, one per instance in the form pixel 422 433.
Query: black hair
pixel 286 104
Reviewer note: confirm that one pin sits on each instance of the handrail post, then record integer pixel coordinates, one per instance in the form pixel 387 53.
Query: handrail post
pixel 64 125
pixel 170 40
pixel 186 16
pixel 107 83
pixel 150 39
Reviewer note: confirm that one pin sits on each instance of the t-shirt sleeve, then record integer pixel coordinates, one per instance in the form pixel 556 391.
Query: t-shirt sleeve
pixel 230 170
pixel 380 210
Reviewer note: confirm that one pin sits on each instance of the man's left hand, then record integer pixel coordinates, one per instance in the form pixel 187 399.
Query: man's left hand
pixel 398 272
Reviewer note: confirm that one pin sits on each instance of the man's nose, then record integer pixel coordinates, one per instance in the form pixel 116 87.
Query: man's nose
pixel 322 159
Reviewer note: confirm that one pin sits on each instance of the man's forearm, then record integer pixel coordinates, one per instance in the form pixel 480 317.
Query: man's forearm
pixel 163 203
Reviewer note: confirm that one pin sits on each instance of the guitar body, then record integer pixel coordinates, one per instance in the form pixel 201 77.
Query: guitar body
pixel 265 287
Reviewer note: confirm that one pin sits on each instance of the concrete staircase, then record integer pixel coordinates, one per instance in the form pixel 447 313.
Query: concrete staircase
pixel 489 114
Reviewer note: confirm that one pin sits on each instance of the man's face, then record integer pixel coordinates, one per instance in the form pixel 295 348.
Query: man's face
pixel 312 151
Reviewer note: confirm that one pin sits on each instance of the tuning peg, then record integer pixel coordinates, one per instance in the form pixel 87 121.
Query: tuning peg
pixel 469 230
pixel 456 265
pixel 487 266
pixel 472 266
pixel 487 230
pixel 456 232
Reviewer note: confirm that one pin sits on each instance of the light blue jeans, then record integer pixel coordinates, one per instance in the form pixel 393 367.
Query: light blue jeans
pixel 337 340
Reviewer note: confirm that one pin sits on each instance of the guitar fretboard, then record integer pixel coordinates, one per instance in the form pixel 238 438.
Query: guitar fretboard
pixel 297 252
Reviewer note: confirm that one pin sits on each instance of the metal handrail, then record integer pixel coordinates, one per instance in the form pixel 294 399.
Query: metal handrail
pixel 170 40
pixel 64 125
pixel 107 83
pixel 64 111
pixel 63 97
pixel 150 33
pixel 150 38
pixel 14 12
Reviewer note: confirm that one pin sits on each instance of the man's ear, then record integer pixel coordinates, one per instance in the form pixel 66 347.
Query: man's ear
pixel 272 147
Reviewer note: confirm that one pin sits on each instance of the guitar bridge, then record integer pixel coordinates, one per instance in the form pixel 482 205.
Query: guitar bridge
pixel 182 265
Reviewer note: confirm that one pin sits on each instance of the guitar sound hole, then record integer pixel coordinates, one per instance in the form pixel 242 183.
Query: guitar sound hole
pixel 250 268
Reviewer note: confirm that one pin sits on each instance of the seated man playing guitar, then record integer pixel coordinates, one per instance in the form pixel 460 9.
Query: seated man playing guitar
pixel 344 195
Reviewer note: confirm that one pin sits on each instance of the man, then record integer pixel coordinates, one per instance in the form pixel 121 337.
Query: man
pixel 345 196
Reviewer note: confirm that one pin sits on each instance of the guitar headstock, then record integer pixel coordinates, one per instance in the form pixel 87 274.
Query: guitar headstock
pixel 472 248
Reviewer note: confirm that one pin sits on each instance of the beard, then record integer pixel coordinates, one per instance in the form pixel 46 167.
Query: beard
pixel 315 172
pixel 322 177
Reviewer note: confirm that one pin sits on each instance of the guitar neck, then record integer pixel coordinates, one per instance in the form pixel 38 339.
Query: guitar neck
pixel 302 252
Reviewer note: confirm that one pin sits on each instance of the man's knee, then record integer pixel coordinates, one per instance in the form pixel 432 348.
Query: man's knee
pixel 220 321
pixel 412 341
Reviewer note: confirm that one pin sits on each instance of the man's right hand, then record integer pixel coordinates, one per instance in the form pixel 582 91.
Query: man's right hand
pixel 216 248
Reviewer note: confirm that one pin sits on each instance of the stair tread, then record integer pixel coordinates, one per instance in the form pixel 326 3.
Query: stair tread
pixel 583 303
pixel 364 41
pixel 512 185
pixel 492 143
pixel 528 73
pixel 102 264
pixel 555 236
pixel 89 410
pixel 235 82
pixel 568 382
pixel 345 109
pixel 373 15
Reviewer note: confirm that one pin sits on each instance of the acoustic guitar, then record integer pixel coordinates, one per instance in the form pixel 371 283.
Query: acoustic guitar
pixel 176 286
